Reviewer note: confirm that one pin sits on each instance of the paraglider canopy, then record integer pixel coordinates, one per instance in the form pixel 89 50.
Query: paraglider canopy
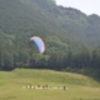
pixel 39 42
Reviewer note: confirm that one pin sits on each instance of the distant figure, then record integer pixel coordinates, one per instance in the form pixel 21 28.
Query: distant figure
pixel 58 87
pixel 64 87
pixel 38 86
pixel 32 63
pixel 46 86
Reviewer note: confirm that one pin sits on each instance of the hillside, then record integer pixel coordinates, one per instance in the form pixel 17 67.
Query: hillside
pixel 14 85
pixel 71 37
pixel 44 18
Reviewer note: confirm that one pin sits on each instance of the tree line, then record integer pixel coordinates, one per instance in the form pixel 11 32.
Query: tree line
pixel 57 60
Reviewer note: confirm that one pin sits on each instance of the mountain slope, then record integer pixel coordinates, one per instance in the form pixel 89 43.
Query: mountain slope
pixel 71 37
pixel 45 17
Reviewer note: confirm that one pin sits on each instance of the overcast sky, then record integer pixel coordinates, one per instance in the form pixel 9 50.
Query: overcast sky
pixel 86 6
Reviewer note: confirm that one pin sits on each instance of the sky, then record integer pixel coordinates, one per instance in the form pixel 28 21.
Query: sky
pixel 86 6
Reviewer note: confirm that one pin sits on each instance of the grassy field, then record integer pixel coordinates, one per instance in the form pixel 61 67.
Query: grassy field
pixel 79 87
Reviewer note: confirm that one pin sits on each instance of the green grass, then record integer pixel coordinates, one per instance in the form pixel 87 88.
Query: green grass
pixel 79 87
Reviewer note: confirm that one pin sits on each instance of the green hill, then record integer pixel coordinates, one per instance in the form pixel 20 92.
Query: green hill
pixel 14 85
pixel 71 37
pixel 45 18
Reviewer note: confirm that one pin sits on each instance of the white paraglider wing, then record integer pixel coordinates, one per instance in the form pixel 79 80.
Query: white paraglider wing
pixel 39 42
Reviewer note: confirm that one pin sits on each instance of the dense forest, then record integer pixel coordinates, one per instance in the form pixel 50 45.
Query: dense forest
pixel 72 38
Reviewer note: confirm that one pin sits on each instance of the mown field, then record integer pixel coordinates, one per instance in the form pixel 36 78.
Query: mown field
pixel 12 85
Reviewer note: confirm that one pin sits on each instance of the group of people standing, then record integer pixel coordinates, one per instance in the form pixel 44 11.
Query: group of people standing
pixel 46 87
